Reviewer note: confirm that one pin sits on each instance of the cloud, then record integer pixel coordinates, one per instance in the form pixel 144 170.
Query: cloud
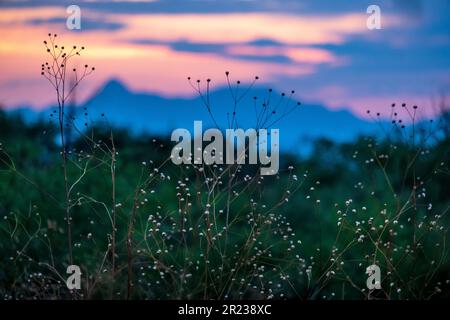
pixel 320 48
pixel 87 24
pixel 258 50
pixel 411 8
pixel 304 7
pixel 54 18
pixel 219 28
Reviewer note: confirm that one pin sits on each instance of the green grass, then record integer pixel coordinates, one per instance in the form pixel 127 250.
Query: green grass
pixel 161 231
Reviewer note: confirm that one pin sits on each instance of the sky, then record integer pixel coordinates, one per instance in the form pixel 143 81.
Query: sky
pixel 321 49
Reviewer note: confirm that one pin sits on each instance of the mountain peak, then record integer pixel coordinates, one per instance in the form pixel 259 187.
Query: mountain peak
pixel 114 87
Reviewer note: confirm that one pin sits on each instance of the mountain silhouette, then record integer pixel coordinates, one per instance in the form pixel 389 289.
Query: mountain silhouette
pixel 142 112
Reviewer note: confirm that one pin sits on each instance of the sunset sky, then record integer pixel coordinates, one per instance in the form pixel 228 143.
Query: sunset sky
pixel 321 49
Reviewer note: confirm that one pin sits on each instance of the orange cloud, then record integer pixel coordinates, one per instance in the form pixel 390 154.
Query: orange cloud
pixel 220 28
pixel 158 68
pixel 303 55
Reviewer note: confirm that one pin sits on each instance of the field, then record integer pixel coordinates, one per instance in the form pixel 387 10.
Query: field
pixel 140 227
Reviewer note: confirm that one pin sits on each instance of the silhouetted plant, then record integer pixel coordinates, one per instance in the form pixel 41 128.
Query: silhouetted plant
pixel 58 71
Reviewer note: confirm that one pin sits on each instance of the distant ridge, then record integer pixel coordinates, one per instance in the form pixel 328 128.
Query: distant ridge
pixel 149 113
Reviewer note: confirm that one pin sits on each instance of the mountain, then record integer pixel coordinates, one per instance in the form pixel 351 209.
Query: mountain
pixel 144 112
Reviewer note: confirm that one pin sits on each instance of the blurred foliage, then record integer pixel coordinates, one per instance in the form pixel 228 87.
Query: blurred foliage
pixel 293 235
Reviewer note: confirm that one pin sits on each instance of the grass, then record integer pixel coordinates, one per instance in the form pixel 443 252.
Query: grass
pixel 141 227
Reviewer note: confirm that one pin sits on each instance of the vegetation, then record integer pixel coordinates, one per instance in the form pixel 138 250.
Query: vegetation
pixel 141 227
